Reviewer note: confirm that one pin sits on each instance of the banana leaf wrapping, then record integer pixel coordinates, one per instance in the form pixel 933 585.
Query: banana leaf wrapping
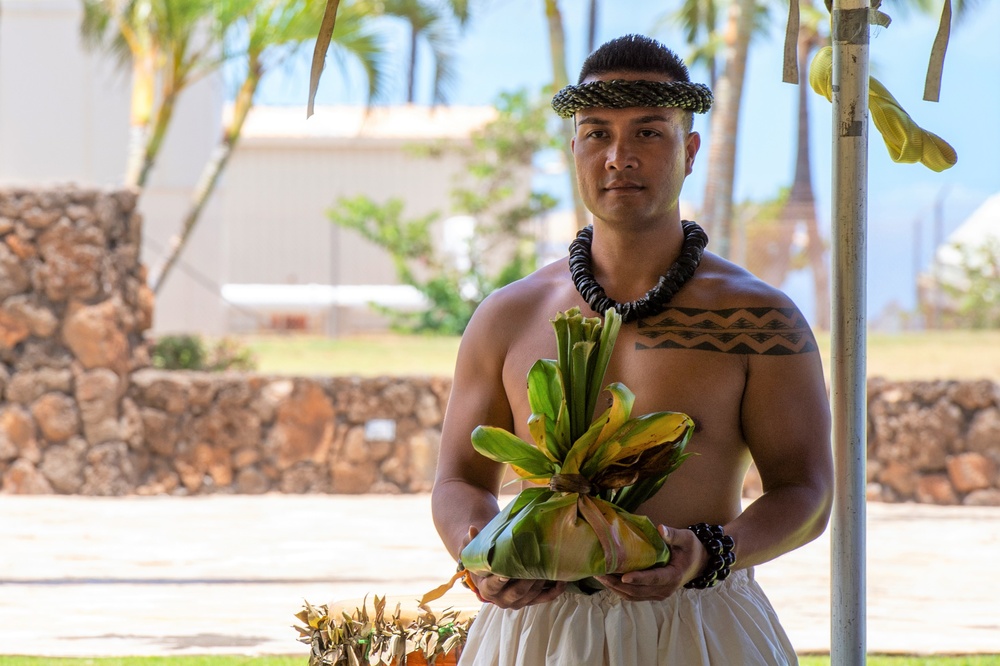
pixel 591 473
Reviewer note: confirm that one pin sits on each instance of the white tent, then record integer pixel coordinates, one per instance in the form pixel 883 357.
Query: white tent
pixel 980 228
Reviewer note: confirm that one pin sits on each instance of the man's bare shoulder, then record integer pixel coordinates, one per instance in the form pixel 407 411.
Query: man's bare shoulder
pixel 728 309
pixel 525 294
pixel 505 310
pixel 725 284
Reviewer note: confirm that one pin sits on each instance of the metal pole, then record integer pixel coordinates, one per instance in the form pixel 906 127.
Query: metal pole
pixel 848 367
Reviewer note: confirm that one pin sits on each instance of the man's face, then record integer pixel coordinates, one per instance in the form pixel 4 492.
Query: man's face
pixel 631 163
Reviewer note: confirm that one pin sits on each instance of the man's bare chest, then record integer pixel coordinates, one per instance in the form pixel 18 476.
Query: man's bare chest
pixel 706 385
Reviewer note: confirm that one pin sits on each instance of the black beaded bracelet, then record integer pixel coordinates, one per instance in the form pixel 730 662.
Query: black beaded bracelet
pixel 721 557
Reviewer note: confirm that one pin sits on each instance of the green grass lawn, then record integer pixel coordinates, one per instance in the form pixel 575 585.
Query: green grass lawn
pixel 932 355
pixel 366 356
pixel 972 660
pixel 928 355
pixel 224 660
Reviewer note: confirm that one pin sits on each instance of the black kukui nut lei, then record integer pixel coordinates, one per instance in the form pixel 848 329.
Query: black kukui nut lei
pixel 721 557
pixel 655 300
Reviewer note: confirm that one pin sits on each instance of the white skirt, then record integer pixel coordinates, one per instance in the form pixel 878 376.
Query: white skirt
pixel 731 624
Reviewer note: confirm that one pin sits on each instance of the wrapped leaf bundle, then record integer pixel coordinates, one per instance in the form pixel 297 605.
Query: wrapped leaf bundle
pixel 593 473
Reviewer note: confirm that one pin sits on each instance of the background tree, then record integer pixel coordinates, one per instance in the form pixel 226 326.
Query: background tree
pixel 432 24
pixel 971 287
pixel 800 205
pixel 169 44
pixel 762 243
pixel 717 206
pixel 502 248
pixel 699 19
pixel 557 54
pixel 272 32
pixel 592 27
pixel 428 21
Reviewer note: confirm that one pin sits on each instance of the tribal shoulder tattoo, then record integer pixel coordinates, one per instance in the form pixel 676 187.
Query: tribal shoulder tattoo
pixel 757 331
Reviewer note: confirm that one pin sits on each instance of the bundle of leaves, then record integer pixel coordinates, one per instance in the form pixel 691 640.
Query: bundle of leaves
pixel 358 637
pixel 593 472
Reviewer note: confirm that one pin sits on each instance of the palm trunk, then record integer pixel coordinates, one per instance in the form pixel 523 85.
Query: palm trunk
pixel 140 114
pixel 210 175
pixel 592 27
pixel 801 205
pixel 154 140
pixel 557 48
pixel 721 173
pixel 412 78
pixel 802 190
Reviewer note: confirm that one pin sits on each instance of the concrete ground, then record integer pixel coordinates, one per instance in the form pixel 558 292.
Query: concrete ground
pixel 225 574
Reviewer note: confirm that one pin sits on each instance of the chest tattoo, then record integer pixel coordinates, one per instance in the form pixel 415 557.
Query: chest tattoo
pixel 763 331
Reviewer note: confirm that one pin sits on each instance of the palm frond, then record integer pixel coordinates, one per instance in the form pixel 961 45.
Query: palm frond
pixel 98 31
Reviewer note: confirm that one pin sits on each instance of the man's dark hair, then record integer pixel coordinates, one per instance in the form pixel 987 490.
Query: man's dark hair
pixel 634 53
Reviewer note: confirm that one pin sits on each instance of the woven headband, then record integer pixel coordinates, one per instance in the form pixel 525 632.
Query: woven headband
pixel 619 94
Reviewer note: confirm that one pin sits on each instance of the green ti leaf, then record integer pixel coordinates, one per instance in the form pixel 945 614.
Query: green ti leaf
pixel 606 345
pixel 503 447
pixel 477 553
pixel 549 422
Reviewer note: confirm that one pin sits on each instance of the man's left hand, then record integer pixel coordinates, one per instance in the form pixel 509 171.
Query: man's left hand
pixel 687 560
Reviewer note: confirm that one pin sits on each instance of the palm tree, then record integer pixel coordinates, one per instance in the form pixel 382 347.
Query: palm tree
pixel 800 206
pixel 699 20
pixel 426 21
pixel 557 51
pixel 431 23
pixel 169 44
pixel 717 207
pixel 275 30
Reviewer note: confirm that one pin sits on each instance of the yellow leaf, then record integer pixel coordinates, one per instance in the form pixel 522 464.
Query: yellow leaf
pixel 620 411
pixel 538 427
pixel 441 590
pixel 652 429
pixel 528 476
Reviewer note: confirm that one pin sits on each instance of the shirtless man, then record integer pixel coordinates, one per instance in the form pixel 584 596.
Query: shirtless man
pixel 728 350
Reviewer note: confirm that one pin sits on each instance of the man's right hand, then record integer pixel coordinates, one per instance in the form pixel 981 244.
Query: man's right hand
pixel 517 593
pixel 513 593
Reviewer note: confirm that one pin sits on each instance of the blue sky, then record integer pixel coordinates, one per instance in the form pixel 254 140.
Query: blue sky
pixel 506 48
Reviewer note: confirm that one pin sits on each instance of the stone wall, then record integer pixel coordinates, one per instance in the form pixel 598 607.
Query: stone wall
pixel 193 433
pixel 934 442
pixel 203 433
pixel 81 411
pixel 184 433
pixel 73 307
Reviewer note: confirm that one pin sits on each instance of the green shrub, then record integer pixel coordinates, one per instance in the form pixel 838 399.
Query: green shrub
pixel 179 352
pixel 192 352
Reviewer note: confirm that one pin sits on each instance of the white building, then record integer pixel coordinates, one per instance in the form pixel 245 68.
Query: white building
pixel 286 261
pixel 264 252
